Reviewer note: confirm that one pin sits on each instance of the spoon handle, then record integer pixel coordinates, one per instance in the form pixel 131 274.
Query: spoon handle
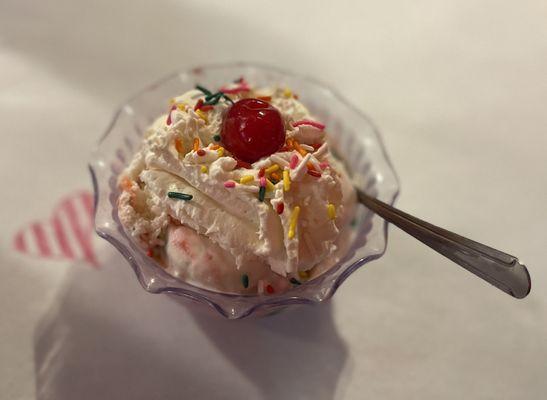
pixel 500 269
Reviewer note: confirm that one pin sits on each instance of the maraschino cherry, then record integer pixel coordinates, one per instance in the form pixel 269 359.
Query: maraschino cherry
pixel 252 129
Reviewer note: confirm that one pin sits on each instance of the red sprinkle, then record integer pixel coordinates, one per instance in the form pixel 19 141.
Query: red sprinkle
pixel 201 152
pixel 168 122
pixel 324 164
pixel 243 164
pixel 198 105
pixel 269 289
pixel 261 172
pixel 316 146
pixel 314 173
pixel 207 108
pixel 150 253
pixel 315 124
pixel 262 182
pixel 279 208
pixel 229 184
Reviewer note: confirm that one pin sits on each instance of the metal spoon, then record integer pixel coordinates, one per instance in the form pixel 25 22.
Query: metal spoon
pixel 497 268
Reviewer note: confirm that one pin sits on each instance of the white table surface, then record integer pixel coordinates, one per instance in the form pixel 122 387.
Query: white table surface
pixel 459 90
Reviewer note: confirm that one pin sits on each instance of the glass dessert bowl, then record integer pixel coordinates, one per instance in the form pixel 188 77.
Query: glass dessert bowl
pixel 351 137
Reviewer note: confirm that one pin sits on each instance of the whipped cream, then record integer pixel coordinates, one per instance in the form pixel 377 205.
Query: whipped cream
pixel 307 202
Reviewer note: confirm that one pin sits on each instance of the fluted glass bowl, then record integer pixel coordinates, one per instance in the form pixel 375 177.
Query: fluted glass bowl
pixel 351 134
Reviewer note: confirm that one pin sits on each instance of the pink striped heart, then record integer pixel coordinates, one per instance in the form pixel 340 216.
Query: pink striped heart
pixel 66 235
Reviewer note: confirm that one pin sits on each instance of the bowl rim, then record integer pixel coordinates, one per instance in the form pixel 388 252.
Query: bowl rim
pixel 273 301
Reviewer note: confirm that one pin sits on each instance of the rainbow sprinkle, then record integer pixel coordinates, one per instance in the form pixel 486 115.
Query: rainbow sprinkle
pixel 216 138
pixel 294 161
pixel 179 196
pixel 331 211
pixel 287 92
pixel 324 164
pixel 202 115
pixel 286 180
pixel 196 144
pixel 275 176
pixel 179 146
pixel 269 289
pixel 299 149
pixel 314 173
pixel 269 185
pixel 201 152
pixel 229 184
pixel 246 179
pixel 279 208
pixel 261 193
pixel 204 169
pixel 315 124
pixel 220 151
pixel 272 168
pixel 293 221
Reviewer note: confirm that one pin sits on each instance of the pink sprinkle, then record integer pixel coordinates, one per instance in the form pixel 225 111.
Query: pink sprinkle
pixel 294 161
pixel 168 122
pixel 315 124
pixel 262 182
pixel 229 184
pixel 324 164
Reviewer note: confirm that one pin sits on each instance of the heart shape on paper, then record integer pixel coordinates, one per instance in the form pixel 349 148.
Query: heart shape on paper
pixel 67 234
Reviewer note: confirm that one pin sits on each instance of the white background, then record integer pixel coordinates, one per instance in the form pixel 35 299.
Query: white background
pixel 459 91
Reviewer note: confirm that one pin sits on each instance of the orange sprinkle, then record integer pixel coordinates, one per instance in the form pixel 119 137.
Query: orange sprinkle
pixel 290 143
pixel 196 144
pixel 215 147
pixel 310 166
pixel 264 98
pixel 299 149
pixel 179 146
pixel 275 175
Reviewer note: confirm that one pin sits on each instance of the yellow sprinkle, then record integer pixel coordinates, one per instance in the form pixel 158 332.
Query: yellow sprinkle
pixel 271 168
pixel 196 144
pixel 220 151
pixel 304 274
pixel 172 101
pixel 202 115
pixel 269 185
pixel 246 179
pixel 287 93
pixel 204 169
pixel 286 181
pixel 181 107
pixel 331 211
pixel 294 219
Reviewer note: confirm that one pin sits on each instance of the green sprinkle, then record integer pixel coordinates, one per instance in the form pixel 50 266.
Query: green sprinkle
pixel 216 138
pixel 212 99
pixel 261 193
pixel 245 280
pixel 202 89
pixel 353 222
pixel 180 196
pixel 294 281
pixel 226 97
